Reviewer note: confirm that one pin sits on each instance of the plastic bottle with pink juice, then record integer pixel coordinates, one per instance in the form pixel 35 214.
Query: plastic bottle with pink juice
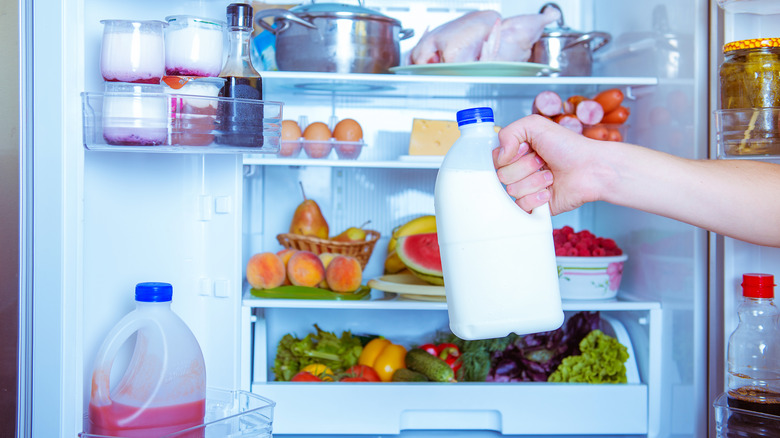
pixel 500 273
pixel 163 389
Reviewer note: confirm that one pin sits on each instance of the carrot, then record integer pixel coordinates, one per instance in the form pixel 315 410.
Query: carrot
pixel 609 99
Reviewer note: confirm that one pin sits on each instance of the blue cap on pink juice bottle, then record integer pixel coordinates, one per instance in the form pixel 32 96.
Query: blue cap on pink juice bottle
pixel 474 115
pixel 153 292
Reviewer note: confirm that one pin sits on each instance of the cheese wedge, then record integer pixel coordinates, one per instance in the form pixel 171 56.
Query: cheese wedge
pixel 433 137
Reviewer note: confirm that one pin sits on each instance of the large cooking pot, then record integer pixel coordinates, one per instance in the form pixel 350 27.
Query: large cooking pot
pixel 569 51
pixel 332 37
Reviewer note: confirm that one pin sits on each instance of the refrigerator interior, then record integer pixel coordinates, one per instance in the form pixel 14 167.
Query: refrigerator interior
pixel 108 220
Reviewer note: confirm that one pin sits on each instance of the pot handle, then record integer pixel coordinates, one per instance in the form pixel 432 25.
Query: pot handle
pixel 280 13
pixel 602 39
pixel 406 33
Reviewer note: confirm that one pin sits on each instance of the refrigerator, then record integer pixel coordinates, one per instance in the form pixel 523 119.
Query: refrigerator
pixel 97 222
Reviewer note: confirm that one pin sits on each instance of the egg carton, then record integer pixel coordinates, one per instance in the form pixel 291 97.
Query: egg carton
pixel 321 149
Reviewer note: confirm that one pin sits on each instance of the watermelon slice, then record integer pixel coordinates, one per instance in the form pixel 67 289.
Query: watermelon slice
pixel 420 253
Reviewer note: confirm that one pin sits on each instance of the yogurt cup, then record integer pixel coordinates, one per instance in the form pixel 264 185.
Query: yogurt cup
pixel 193 108
pixel 133 51
pixel 193 46
pixel 135 114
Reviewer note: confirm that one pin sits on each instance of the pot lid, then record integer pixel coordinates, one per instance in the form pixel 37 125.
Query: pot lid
pixel 558 29
pixel 341 10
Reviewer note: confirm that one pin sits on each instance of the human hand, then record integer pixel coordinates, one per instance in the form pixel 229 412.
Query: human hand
pixel 540 161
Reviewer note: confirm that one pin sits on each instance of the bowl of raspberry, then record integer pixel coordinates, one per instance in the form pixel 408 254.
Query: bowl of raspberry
pixel 589 267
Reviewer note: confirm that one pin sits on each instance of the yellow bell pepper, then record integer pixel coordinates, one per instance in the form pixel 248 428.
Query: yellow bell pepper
pixel 384 357
pixel 319 370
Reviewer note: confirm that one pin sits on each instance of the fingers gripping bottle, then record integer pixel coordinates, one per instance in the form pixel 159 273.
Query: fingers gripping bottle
pixel 163 389
pixel 500 274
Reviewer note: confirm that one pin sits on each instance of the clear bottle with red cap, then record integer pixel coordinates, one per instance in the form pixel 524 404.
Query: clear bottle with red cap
pixel 754 349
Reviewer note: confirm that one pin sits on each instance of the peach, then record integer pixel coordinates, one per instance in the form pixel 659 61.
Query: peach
pixel 265 271
pixel 326 257
pixel 285 255
pixel 305 269
pixel 344 274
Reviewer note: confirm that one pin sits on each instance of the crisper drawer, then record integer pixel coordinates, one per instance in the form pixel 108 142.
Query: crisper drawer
pixel 517 408
pixel 345 408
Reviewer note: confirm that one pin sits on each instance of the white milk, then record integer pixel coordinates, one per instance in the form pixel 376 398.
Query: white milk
pixel 500 274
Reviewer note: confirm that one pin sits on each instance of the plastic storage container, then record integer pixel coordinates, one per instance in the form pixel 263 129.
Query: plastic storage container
pixel 754 349
pixel 193 46
pixel 229 414
pixel 163 389
pixel 500 273
pixel 133 51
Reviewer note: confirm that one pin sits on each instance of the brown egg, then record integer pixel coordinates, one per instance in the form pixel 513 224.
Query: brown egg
pixel 316 131
pixel 348 130
pixel 290 130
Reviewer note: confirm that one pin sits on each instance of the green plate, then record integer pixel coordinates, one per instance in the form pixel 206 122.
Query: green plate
pixel 310 293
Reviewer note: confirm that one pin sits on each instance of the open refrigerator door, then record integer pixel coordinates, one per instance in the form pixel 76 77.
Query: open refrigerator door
pixel 108 219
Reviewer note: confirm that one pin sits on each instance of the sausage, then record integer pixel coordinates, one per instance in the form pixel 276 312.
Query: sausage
pixel 571 104
pixel 617 116
pixel 589 112
pixel 597 132
pixel 569 121
pixel 614 135
pixel 609 99
pixel 547 103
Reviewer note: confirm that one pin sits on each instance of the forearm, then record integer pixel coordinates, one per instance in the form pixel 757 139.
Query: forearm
pixel 735 198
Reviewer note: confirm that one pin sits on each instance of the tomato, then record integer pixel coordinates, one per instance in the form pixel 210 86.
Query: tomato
pixel 609 99
pixel 305 376
pixel 354 379
pixel 364 372
pixel 320 371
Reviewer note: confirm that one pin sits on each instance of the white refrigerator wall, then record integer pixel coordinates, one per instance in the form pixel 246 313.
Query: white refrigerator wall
pixel 105 221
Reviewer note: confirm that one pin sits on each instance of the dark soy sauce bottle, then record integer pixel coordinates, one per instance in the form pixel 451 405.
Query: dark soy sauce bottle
pixel 240 123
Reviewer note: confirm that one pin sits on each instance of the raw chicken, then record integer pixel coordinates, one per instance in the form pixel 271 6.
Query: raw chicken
pixel 513 39
pixel 483 36
pixel 459 40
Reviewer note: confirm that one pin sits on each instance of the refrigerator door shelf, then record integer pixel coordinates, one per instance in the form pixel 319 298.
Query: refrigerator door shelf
pixel 170 123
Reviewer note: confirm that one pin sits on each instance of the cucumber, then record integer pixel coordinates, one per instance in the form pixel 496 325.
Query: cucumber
pixel 431 366
pixel 407 375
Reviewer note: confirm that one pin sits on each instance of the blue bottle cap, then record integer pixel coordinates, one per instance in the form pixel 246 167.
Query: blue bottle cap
pixel 153 292
pixel 474 115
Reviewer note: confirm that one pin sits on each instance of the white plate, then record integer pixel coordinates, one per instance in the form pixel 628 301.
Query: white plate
pixel 476 69
pixel 408 286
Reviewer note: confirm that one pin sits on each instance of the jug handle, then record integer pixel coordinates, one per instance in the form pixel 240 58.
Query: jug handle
pixel 279 13
pixel 602 37
pixel 127 326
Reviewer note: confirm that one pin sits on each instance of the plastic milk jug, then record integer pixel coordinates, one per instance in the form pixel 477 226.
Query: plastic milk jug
pixel 163 389
pixel 500 273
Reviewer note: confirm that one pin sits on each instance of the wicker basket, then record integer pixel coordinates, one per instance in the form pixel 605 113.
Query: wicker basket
pixel 360 250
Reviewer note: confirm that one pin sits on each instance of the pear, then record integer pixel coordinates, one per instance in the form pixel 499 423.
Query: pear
pixel 352 234
pixel 308 219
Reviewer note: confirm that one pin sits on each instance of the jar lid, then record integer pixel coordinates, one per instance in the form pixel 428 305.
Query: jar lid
pixel 751 44
pixel 758 285
pixel 340 10
pixel 153 292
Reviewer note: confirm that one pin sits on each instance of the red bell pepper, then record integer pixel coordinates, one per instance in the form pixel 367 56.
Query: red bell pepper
pixel 450 354
pixel 447 352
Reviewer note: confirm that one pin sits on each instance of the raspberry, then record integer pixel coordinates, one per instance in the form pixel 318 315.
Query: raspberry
pixel 599 252
pixel 572 252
